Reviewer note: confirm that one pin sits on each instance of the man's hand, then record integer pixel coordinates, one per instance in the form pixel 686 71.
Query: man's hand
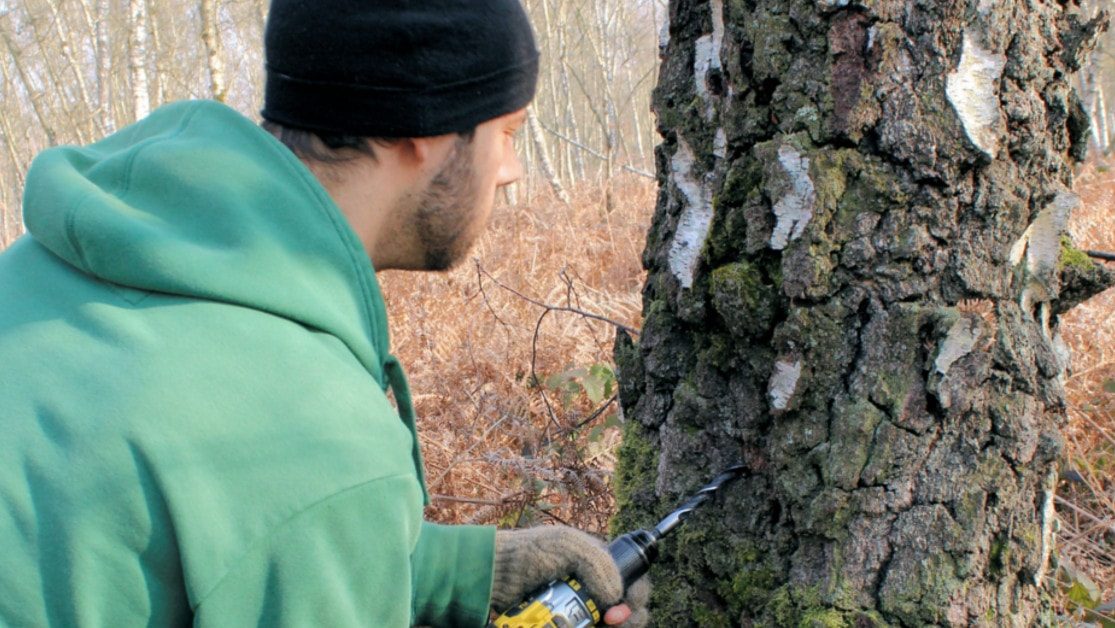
pixel 528 559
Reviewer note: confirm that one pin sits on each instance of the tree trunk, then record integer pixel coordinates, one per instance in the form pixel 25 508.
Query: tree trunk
pixel 211 37
pixel 539 141
pixel 104 67
pixel 161 77
pixel 34 95
pixel 856 267
pixel 137 57
pixel 572 128
pixel 76 70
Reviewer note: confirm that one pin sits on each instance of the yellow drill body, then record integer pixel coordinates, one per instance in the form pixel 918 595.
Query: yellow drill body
pixel 562 604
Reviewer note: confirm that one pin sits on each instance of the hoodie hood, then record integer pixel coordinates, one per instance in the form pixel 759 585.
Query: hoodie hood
pixel 198 201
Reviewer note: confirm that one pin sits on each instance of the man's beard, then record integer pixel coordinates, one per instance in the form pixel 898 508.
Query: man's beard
pixel 446 209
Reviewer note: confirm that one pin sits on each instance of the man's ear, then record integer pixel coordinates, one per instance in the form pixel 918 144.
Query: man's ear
pixel 426 152
pixel 406 152
pixel 421 149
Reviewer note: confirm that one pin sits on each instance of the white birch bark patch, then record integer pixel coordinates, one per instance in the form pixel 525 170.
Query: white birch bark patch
pixel 1044 248
pixel 696 216
pixel 794 210
pixel 784 383
pixel 706 56
pixel 973 91
pixel 1063 353
pixel 1048 515
pixel 720 143
pixel 959 342
pixel 1040 246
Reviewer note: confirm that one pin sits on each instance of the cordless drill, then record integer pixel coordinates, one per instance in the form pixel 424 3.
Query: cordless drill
pixel 566 603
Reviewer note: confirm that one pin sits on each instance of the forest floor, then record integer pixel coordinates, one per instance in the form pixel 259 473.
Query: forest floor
pixel 514 384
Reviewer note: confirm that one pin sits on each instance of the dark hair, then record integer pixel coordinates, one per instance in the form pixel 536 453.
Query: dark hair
pixel 325 148
pixel 332 148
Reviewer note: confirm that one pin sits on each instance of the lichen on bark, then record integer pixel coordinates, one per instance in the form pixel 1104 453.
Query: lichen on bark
pixel 870 167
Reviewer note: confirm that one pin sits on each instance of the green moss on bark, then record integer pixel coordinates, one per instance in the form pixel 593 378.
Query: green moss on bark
pixel 633 482
pixel 853 431
pixel 742 188
pixel 743 299
pixel 793 606
pixel 921 593
pixel 1072 256
pixel 999 556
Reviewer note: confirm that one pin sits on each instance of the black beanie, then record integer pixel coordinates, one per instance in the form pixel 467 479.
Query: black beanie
pixel 397 68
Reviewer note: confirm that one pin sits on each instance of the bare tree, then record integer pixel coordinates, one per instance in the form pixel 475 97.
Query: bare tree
pixel 103 59
pixel 210 35
pixel 35 95
pixel 540 144
pixel 77 69
pixel 137 57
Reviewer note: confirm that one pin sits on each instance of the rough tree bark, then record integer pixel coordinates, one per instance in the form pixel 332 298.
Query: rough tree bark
pixel 856 267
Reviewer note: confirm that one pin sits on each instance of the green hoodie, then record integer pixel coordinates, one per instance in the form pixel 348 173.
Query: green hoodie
pixel 193 374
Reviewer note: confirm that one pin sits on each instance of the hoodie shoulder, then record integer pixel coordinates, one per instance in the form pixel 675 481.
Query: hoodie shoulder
pixel 198 201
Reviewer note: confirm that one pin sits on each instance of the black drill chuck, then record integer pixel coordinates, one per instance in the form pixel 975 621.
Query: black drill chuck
pixel 633 553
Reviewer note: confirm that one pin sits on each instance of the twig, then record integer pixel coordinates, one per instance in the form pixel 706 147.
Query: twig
pixel 469 500
pixel 457 456
pixel 554 517
pixel 596 413
pixel 477 483
pixel 546 309
pixel 534 374
pixel 480 285
pixel 562 431
pixel 1099 428
pixel 597 154
pixel 1079 510
pixel 556 308
pixel 570 292
pixel 1103 255
pixel 572 296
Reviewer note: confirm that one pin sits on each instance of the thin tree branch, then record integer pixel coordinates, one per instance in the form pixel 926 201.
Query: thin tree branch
pixel 534 374
pixel 594 153
pixel 556 308
pixel 595 414
pixel 472 500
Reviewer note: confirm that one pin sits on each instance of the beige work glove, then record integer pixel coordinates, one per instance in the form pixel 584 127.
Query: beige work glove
pixel 527 559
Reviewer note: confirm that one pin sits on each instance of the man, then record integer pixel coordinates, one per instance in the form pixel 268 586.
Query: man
pixel 194 359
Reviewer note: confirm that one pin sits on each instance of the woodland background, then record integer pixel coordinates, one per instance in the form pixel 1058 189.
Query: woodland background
pixel 510 355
